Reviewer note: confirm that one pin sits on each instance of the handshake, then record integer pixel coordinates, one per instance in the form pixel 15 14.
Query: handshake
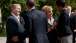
pixel 15 39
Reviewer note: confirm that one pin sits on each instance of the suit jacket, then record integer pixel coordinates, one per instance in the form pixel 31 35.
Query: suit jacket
pixel 63 25
pixel 73 22
pixel 36 26
pixel 52 35
pixel 14 28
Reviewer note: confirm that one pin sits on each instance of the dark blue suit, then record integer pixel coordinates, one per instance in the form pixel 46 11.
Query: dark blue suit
pixel 14 28
pixel 73 25
pixel 73 21
pixel 63 25
pixel 36 26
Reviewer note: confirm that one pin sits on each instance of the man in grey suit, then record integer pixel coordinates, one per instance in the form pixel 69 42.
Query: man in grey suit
pixel 35 24
pixel 14 24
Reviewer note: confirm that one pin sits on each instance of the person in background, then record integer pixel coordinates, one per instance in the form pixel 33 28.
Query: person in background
pixel 63 26
pixel 52 32
pixel 72 17
pixel 14 24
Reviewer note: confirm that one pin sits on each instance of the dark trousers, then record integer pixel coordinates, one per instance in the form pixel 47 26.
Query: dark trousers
pixel 74 35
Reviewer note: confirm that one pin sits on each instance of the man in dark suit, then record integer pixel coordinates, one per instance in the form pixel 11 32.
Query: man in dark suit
pixel 14 24
pixel 75 23
pixel 63 26
pixel 74 29
pixel 72 21
pixel 35 24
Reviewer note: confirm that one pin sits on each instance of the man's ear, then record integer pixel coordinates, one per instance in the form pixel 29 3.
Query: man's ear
pixel 35 5
pixel 59 6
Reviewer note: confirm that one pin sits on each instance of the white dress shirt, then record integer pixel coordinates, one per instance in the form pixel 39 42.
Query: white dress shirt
pixel 51 22
pixel 69 14
pixel 32 8
pixel 17 17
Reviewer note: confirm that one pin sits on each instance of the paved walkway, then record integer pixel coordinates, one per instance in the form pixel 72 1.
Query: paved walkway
pixel 3 40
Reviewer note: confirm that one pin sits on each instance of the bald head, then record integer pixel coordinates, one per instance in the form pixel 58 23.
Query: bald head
pixel 69 9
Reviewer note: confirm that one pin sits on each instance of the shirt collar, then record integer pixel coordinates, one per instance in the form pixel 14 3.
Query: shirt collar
pixel 51 22
pixel 32 8
pixel 15 16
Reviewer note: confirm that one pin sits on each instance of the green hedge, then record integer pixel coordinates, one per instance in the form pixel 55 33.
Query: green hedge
pixel 2 32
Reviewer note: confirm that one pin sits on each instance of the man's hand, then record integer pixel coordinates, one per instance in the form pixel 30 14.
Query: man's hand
pixel 75 31
pixel 54 25
pixel 48 30
pixel 15 39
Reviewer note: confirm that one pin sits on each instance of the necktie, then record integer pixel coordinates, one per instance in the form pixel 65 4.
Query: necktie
pixel 19 18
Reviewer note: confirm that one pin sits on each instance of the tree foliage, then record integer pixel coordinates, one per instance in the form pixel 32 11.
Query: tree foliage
pixel 5 6
pixel 71 3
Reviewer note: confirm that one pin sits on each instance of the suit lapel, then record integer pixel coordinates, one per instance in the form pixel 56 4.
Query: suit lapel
pixel 21 20
pixel 15 19
pixel 20 26
pixel 71 15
